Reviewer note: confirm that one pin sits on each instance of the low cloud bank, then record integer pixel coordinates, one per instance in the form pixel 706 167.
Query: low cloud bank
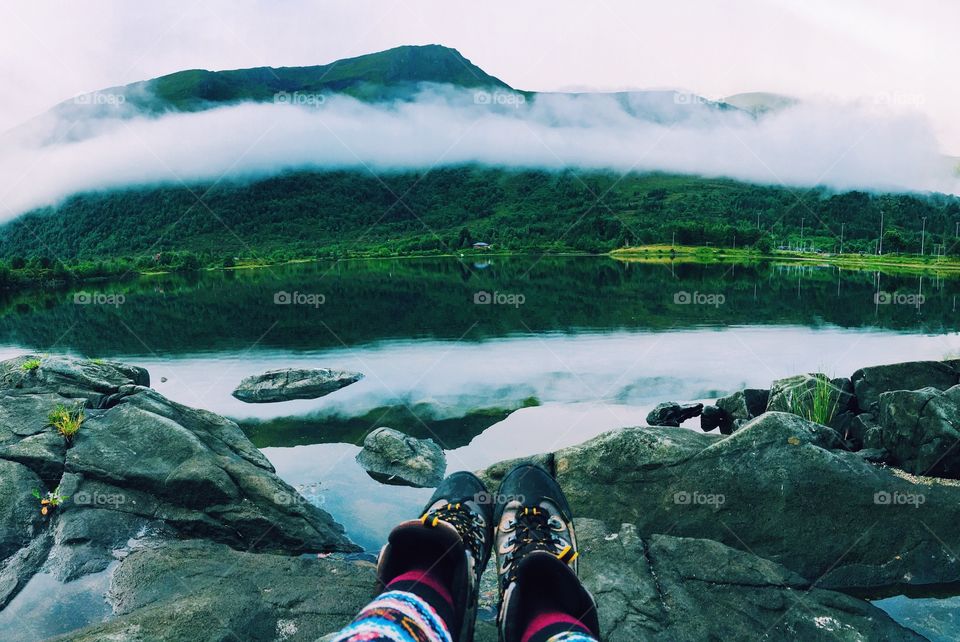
pixel 851 146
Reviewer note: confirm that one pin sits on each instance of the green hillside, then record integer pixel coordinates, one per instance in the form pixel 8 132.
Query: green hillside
pixel 310 214
pixel 375 76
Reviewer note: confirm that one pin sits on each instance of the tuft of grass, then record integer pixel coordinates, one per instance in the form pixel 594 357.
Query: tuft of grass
pixel 817 404
pixel 66 420
pixel 97 361
pixel 30 364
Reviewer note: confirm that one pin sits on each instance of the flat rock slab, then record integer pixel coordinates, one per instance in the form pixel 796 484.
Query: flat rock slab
pixel 293 383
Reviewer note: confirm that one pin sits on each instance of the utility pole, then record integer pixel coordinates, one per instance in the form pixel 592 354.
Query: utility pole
pixel 802 222
pixel 880 244
pixel 923 235
pixel 842 225
pixel 758 220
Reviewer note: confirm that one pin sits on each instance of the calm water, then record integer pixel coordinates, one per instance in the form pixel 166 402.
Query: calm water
pixel 566 348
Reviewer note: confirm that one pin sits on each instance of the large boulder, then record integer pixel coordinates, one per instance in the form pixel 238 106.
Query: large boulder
pixel 663 587
pixel 921 430
pixel 671 413
pixel 293 383
pixel 139 463
pixel 778 487
pixel 392 457
pixel 870 383
pixel 812 396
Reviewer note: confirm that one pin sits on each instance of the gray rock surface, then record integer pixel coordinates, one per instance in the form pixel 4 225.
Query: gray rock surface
pixel 871 382
pixel 392 457
pixel 799 394
pixel 293 383
pixel 656 588
pixel 671 413
pixel 745 404
pixel 775 488
pixel 139 463
pixel 921 430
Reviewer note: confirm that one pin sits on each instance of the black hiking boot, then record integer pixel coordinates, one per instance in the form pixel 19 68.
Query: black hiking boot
pixel 452 540
pixel 537 554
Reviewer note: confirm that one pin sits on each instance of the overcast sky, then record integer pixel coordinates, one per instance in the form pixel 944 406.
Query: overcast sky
pixel 843 49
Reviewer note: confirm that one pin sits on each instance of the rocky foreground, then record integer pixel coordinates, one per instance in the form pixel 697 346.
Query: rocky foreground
pixel 684 535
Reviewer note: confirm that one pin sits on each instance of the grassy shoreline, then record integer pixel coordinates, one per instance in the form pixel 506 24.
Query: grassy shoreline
pixel 890 263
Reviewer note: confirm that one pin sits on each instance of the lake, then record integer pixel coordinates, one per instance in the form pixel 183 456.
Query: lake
pixel 493 360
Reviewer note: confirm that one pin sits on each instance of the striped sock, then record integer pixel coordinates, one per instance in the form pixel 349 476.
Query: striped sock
pixel 415 607
pixel 557 627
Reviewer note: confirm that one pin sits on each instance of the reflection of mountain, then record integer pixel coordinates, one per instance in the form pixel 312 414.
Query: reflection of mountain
pixel 369 301
pixel 417 420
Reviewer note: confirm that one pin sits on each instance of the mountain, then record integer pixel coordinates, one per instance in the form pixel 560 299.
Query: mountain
pixel 380 75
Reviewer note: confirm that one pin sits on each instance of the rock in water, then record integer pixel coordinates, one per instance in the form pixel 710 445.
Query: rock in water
pixel 293 383
pixel 872 382
pixel 394 458
pixel 920 429
pixel 671 413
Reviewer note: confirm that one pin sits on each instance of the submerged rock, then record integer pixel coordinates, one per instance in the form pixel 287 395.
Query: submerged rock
pixel 671 413
pixel 394 458
pixel 293 383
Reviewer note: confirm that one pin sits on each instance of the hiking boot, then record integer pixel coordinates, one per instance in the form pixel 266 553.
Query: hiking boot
pixel 452 540
pixel 537 554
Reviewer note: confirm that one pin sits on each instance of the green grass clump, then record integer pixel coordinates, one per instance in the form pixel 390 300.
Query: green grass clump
pixel 817 404
pixel 66 420
pixel 30 364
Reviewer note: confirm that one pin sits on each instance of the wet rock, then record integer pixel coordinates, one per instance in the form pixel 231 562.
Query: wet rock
pixel 921 430
pixel 293 383
pixel 771 488
pixel 392 457
pixel 871 382
pixel 671 413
